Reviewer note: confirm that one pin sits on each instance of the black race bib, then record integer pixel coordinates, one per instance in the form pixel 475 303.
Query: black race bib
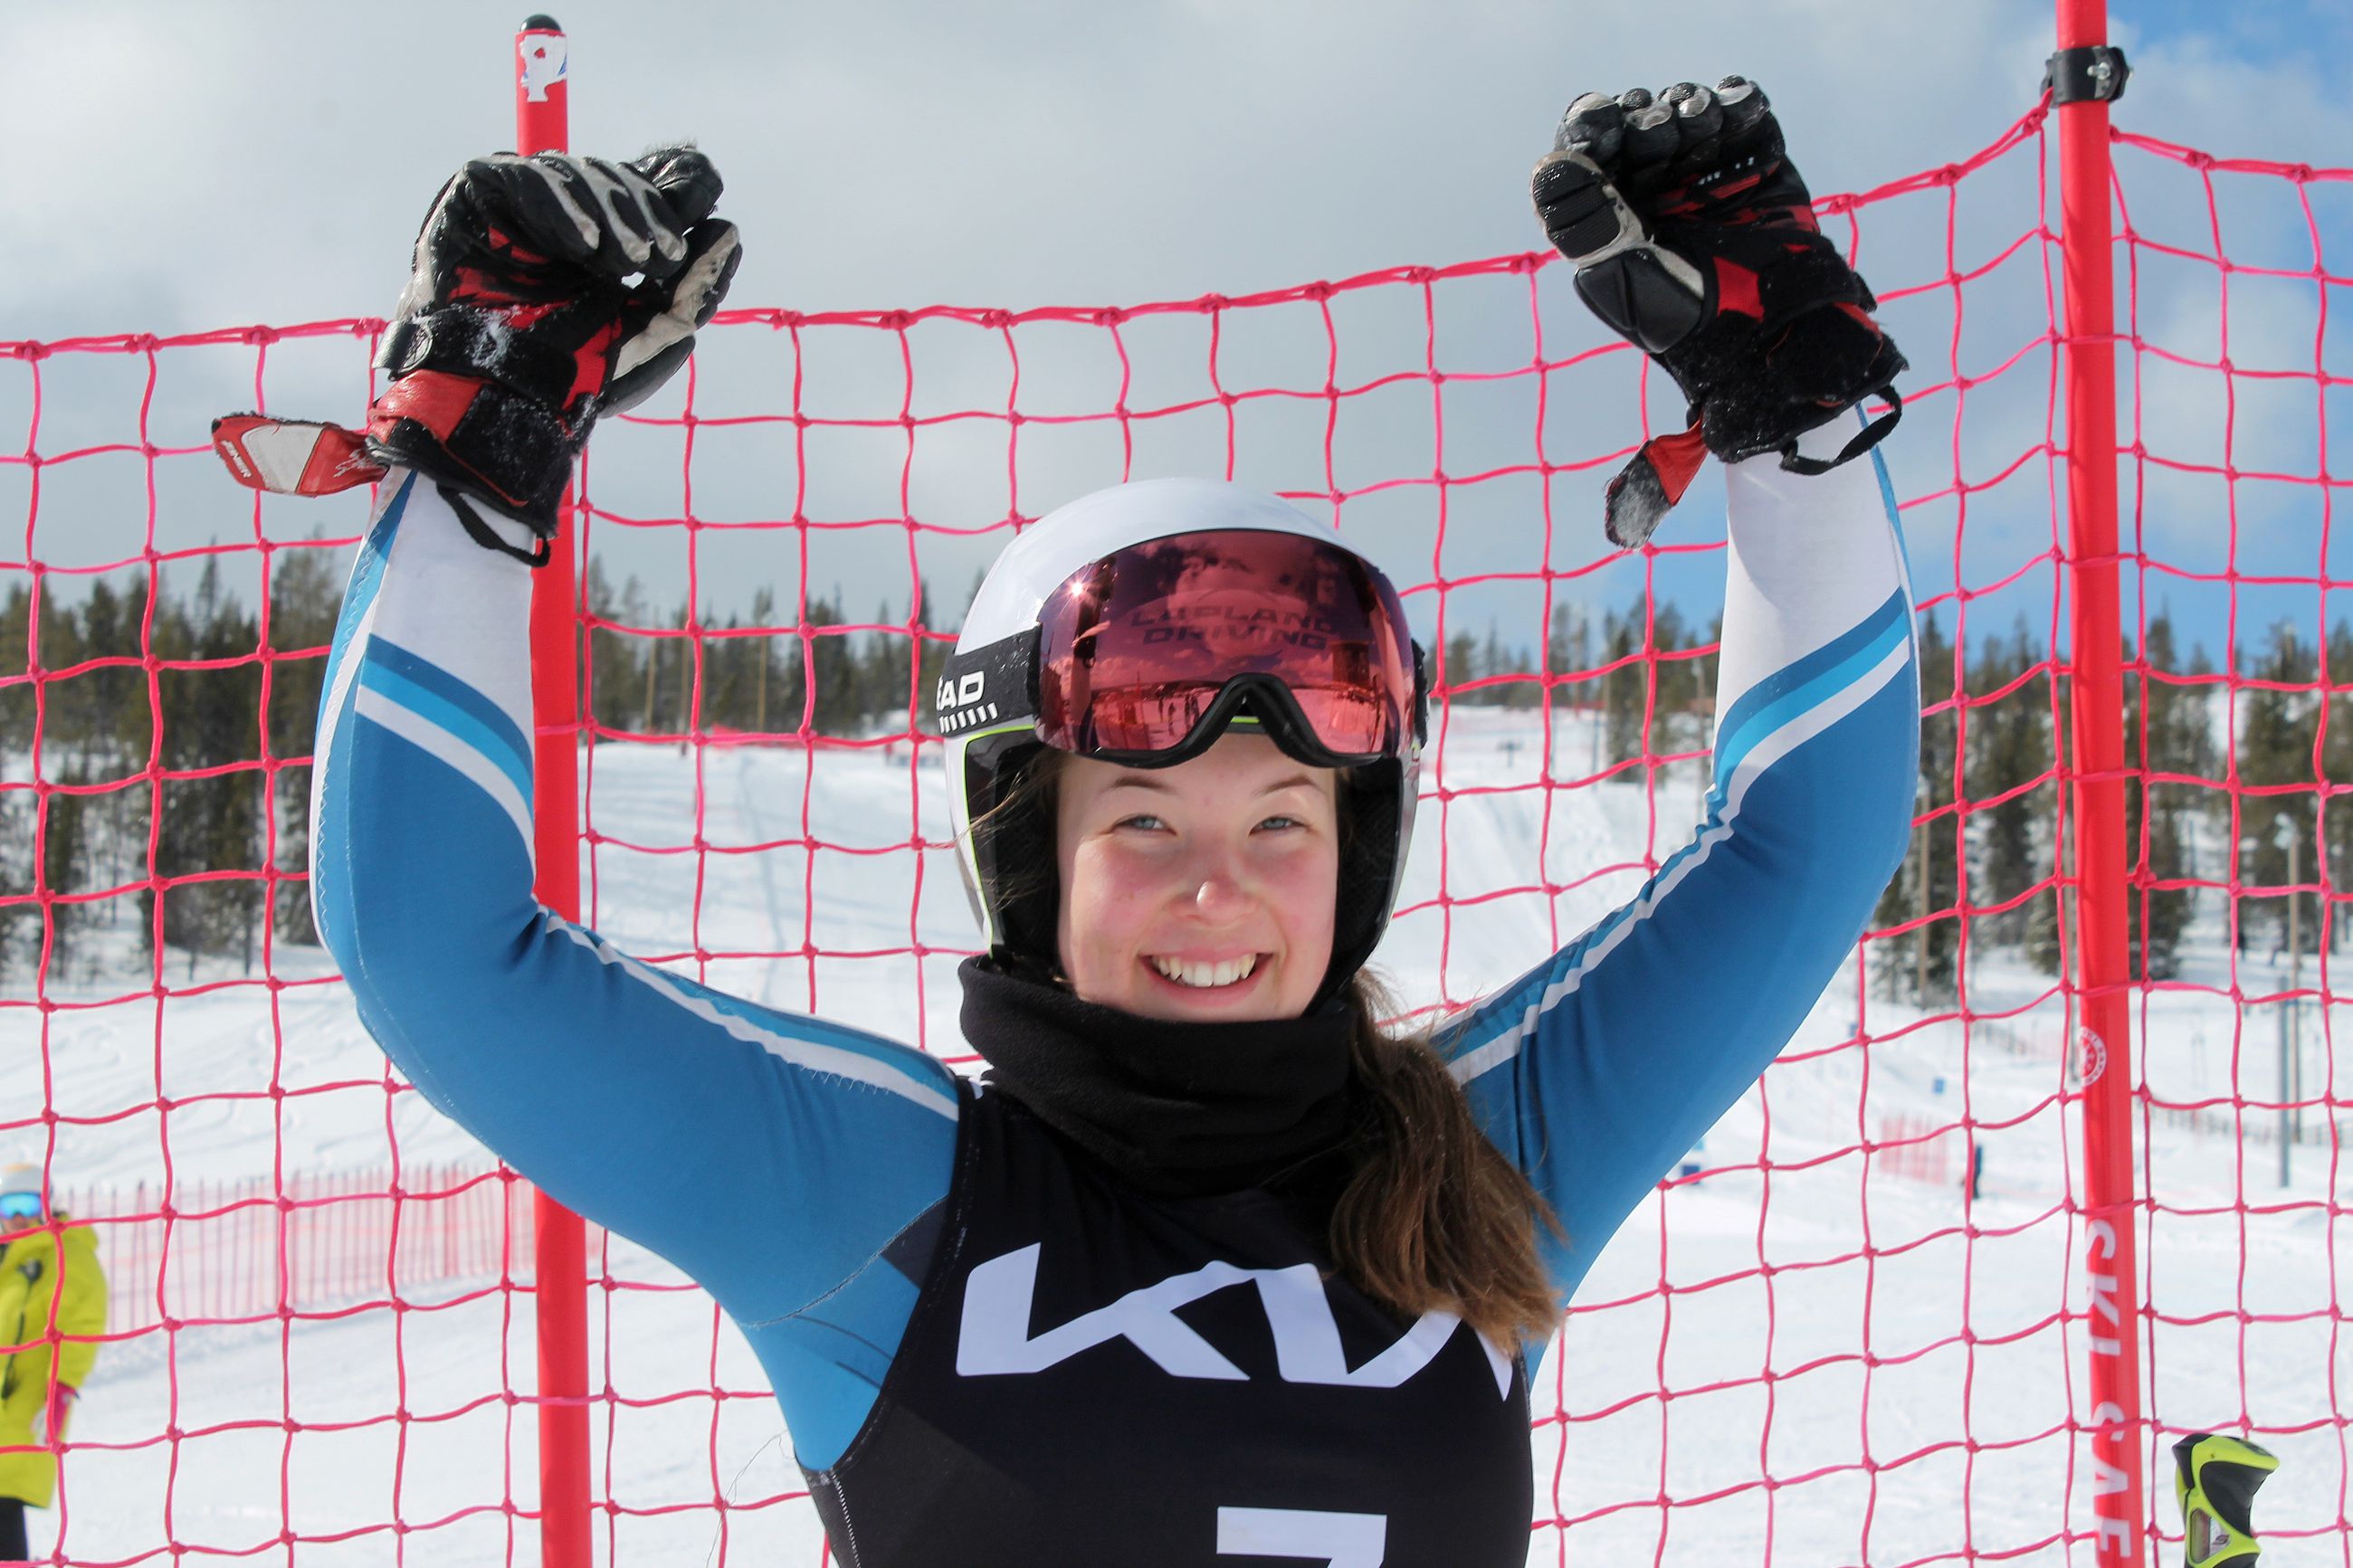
pixel 1100 1378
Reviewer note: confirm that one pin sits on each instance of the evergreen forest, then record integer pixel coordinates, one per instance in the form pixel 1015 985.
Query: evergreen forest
pixel 175 728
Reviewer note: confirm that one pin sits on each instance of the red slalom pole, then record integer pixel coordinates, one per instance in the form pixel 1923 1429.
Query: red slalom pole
pixel 2085 76
pixel 559 1247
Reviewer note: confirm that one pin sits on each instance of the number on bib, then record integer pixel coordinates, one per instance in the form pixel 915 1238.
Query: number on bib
pixel 1335 1540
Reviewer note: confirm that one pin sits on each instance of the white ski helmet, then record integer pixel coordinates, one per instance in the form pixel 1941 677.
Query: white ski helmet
pixel 1138 623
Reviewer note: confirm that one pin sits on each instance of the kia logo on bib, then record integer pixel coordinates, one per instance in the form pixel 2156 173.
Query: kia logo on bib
pixel 999 1294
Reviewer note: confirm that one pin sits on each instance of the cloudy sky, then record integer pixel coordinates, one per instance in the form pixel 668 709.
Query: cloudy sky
pixel 177 167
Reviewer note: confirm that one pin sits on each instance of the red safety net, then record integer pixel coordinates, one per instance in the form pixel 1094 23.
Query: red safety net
pixel 1851 1328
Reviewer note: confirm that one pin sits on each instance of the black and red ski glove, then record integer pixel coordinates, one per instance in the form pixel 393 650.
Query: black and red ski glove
pixel 519 329
pixel 1694 238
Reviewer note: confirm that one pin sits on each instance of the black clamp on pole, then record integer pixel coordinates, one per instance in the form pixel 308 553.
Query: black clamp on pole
pixel 2093 73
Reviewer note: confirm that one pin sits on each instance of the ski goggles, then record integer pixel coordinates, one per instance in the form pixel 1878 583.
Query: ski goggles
pixel 20 1206
pixel 1145 657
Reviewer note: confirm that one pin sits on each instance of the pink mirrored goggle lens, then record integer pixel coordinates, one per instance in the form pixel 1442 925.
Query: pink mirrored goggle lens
pixel 1136 650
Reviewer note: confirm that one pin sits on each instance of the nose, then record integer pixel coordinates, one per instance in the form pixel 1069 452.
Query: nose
pixel 1220 895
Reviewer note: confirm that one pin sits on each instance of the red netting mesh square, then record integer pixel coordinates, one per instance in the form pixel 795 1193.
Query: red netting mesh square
pixel 1851 1328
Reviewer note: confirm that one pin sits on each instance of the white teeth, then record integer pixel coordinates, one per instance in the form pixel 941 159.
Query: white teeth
pixel 1228 972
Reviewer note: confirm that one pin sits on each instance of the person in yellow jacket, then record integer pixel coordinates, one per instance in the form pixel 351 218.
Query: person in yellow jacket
pixel 52 1310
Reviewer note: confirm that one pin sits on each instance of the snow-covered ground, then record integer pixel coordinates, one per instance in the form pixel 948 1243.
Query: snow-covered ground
pixel 1902 1363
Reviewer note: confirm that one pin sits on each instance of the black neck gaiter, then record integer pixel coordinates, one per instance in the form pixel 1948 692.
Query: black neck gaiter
pixel 1184 1110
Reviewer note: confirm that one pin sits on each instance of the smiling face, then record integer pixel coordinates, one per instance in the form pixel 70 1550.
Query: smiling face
pixel 1200 892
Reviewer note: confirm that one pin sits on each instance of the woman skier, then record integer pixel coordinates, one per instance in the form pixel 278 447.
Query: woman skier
pixel 1208 1265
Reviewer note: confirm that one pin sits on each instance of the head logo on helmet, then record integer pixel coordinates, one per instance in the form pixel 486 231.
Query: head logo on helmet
pixel 963 702
pixel 1139 622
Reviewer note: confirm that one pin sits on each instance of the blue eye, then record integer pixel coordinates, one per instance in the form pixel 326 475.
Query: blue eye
pixel 1280 822
pixel 1143 820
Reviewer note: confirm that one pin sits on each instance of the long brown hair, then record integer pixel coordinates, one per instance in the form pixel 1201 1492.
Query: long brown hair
pixel 1433 1215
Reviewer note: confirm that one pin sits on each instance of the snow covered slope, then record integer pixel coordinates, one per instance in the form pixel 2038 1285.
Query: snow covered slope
pixel 1922 1374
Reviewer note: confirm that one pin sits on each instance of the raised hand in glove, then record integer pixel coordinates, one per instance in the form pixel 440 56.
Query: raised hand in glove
pixel 519 328
pixel 1694 238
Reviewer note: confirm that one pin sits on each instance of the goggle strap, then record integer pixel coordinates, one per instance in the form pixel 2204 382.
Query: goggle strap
pixel 992 684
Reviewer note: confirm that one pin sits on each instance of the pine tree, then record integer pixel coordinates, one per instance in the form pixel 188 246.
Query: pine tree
pixel 668 677
pixel 232 729
pixel 1460 666
pixel 2180 738
pixel 126 725
pixel 2159 915
pixel 2168 721
pixel 106 634
pixel 15 697
pixel 1494 661
pixel 48 860
pixel 56 709
pixel 2278 748
pixel 57 647
pixel 2010 746
pixel 1524 690
pixel 63 866
pixel 826 687
pixel 64 729
pixel 173 848
pixel 726 676
pixel 890 668
pixel 614 672
pixel 93 727
pixel 2337 764
pixel 303 607
pixel 1625 689
pixel 212 821
pixel 129 703
pixel 1569 652
pixel 16 881
pixel 1679 723
pixel 672 675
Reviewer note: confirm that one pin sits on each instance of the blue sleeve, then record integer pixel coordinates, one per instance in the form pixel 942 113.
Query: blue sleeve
pixel 1600 1068
pixel 774 1158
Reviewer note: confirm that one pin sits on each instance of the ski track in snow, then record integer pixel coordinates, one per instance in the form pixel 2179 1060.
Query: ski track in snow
pixel 1864 1345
